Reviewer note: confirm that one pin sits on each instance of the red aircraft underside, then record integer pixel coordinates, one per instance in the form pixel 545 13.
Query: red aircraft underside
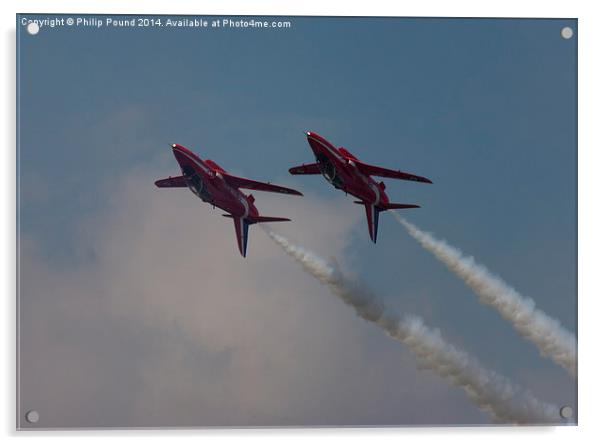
pixel 347 173
pixel 214 185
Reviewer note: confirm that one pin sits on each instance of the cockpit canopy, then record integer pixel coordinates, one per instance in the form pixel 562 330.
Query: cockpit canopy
pixel 328 170
pixel 194 182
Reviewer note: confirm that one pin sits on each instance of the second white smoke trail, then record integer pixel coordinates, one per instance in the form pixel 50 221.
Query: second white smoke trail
pixel 550 337
pixel 491 392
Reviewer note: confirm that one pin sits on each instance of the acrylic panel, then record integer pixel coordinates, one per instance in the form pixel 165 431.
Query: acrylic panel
pixel 296 221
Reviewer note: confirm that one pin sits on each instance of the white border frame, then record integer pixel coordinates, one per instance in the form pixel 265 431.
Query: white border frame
pixel 589 29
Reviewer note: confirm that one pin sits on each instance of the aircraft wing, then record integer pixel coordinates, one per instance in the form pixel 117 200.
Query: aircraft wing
pixel 244 183
pixel 176 181
pixel 305 169
pixel 373 170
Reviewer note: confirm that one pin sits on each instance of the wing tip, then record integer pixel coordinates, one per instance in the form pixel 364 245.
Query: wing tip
pixel 288 191
pixel 422 179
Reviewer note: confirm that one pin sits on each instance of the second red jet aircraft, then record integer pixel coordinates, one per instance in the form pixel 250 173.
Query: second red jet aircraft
pixel 345 172
pixel 214 185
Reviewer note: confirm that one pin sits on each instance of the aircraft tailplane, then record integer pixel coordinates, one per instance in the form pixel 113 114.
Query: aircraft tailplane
pixel 241 226
pixel 373 211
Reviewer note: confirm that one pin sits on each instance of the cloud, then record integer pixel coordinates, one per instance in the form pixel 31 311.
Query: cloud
pixel 160 322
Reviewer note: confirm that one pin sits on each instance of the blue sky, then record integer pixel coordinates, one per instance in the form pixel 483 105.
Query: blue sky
pixel 485 108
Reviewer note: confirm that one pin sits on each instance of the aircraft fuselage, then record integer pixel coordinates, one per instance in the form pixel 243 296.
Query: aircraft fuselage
pixel 342 173
pixel 207 183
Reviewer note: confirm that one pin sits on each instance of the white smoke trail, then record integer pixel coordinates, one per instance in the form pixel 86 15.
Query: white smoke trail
pixel 550 337
pixel 491 392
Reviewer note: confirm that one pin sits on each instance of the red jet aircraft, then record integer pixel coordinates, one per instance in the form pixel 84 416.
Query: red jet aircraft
pixel 345 172
pixel 214 185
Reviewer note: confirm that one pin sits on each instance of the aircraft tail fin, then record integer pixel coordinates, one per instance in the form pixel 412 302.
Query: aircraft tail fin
pixel 241 226
pixel 373 212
